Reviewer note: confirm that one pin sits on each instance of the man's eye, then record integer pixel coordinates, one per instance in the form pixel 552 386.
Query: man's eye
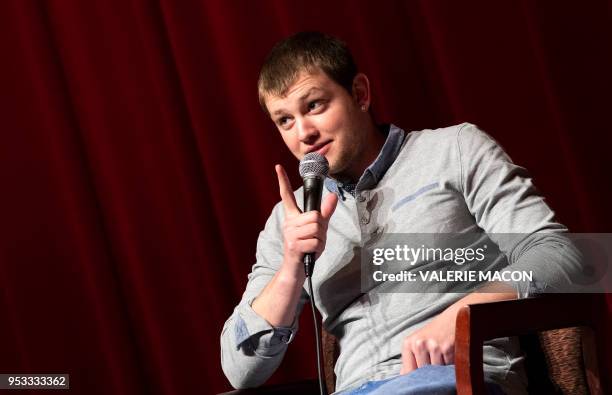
pixel 314 104
pixel 283 120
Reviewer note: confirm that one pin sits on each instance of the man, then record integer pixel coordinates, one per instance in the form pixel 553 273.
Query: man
pixel 381 180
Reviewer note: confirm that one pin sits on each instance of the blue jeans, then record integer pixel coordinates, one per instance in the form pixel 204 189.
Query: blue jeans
pixel 428 380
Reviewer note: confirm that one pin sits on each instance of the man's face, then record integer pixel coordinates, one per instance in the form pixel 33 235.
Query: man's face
pixel 317 114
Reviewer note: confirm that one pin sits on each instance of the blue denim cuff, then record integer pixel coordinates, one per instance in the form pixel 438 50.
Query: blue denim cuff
pixel 247 323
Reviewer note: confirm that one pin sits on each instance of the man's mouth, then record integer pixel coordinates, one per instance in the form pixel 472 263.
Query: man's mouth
pixel 321 148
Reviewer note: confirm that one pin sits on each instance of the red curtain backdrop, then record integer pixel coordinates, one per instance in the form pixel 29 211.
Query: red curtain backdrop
pixel 137 168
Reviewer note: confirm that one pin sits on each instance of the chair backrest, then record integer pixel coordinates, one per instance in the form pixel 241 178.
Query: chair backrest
pixel 331 350
pixel 564 359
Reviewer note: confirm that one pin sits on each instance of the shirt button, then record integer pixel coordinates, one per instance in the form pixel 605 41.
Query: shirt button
pixel 364 221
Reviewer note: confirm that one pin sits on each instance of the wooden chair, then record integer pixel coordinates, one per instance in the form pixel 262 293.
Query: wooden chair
pixel 567 331
pixel 558 333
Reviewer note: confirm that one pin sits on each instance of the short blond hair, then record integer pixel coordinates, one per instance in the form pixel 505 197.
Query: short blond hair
pixel 305 51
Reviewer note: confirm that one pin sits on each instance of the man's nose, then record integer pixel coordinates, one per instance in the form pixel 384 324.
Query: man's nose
pixel 307 131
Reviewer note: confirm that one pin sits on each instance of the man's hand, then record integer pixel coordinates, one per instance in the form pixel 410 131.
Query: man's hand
pixel 433 344
pixel 302 232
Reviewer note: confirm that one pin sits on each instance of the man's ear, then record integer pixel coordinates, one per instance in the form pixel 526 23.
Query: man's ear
pixel 361 91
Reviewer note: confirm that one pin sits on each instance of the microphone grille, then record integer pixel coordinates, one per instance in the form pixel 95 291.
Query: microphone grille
pixel 313 164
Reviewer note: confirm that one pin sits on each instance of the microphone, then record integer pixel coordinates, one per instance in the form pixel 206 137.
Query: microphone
pixel 313 170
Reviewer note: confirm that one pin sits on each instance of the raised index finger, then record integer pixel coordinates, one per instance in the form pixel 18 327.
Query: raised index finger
pixel 286 193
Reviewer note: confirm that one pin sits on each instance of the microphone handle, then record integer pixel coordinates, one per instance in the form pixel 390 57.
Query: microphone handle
pixel 313 190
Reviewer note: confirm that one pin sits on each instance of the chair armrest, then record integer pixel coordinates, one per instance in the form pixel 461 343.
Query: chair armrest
pixel 483 321
pixel 306 387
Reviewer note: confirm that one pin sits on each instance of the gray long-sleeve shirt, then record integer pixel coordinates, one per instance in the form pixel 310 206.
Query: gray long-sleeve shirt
pixel 452 180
